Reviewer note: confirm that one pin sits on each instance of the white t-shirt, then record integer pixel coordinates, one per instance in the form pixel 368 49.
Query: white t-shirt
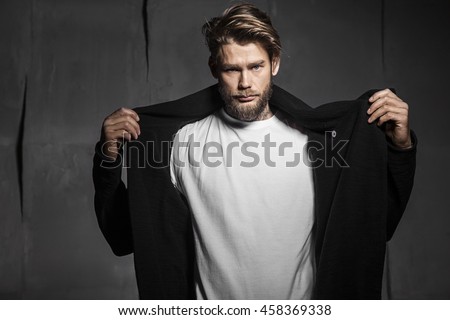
pixel 250 192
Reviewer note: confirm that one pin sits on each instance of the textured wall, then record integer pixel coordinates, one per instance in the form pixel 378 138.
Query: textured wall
pixel 66 64
pixel 418 64
pixel 14 56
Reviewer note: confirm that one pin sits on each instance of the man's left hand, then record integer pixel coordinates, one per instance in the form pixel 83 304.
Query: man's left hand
pixel 387 108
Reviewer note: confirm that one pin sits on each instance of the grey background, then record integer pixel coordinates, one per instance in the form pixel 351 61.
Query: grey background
pixel 65 65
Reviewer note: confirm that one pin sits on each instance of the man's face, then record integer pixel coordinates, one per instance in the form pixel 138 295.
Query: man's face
pixel 245 80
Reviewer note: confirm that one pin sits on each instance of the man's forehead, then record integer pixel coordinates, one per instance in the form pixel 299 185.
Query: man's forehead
pixel 251 52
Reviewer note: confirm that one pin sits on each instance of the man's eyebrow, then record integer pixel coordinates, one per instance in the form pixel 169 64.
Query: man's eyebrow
pixel 256 63
pixel 230 66
pixel 235 66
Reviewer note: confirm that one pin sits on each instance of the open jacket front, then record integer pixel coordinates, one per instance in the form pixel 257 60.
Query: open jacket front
pixel 358 202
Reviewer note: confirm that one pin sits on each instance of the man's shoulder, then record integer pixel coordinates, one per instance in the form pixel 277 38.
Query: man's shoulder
pixel 197 127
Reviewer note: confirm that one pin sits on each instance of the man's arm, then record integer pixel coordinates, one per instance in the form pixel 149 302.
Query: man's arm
pixel 392 113
pixel 111 198
pixel 401 170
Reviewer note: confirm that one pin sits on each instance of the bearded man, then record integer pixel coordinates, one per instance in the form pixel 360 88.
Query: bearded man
pixel 258 196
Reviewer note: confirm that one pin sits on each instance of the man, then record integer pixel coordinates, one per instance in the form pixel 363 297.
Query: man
pixel 230 211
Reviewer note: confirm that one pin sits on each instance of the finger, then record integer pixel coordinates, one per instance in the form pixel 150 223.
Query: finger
pixel 116 129
pixel 127 111
pixel 122 118
pixel 385 109
pixel 118 116
pixel 127 126
pixel 384 93
pixel 118 135
pixel 124 135
pixel 379 94
pixel 123 122
pixel 392 116
pixel 124 112
pixel 386 101
pixel 381 111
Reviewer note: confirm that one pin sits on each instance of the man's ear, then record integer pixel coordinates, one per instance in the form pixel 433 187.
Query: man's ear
pixel 275 65
pixel 212 67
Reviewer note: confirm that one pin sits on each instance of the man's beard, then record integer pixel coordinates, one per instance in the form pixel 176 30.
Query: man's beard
pixel 249 112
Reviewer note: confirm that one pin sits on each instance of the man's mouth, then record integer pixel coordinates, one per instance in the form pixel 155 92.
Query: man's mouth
pixel 246 98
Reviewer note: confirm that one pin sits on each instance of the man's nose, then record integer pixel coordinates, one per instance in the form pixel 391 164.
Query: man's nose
pixel 244 80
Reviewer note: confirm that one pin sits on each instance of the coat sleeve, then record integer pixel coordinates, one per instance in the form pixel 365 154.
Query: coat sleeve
pixel 401 170
pixel 111 203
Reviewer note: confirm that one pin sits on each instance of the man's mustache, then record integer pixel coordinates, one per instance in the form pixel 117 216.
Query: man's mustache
pixel 244 94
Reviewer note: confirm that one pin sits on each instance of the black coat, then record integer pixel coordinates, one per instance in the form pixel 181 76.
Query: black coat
pixel 357 208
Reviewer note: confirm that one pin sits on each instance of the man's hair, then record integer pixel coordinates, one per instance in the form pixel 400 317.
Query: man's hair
pixel 242 23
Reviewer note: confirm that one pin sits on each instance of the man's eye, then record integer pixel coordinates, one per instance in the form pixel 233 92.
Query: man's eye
pixel 230 70
pixel 257 67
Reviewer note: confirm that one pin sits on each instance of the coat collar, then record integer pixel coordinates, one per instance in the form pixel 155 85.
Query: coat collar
pixel 204 102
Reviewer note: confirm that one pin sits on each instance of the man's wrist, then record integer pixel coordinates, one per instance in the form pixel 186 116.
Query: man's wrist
pixel 404 146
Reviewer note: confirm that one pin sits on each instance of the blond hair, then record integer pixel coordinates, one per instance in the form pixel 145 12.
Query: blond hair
pixel 242 23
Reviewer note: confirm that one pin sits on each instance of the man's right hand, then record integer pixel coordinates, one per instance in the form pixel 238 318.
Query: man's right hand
pixel 121 125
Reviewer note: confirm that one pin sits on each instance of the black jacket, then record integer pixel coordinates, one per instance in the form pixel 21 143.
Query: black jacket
pixel 357 208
